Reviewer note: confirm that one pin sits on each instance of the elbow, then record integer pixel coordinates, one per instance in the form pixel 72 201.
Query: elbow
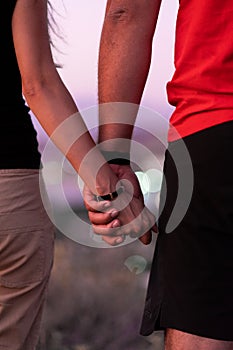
pixel 124 11
pixel 119 14
pixel 31 89
pixel 34 90
pixel 35 84
pixel 133 15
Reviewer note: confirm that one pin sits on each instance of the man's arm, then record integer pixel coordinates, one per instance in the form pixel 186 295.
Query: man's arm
pixel 124 62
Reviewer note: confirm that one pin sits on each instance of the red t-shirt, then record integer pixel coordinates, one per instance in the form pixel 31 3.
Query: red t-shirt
pixel 201 88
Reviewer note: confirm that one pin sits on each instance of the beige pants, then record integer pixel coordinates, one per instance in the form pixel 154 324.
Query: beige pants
pixel 26 257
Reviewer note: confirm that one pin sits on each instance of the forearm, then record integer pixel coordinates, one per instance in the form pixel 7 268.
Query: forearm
pixel 124 62
pixel 57 113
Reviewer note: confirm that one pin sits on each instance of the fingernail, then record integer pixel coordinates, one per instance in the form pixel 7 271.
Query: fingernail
pixel 119 240
pixel 115 224
pixel 114 213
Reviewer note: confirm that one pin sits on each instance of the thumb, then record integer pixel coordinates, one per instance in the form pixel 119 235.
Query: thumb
pixel 146 238
pixel 154 228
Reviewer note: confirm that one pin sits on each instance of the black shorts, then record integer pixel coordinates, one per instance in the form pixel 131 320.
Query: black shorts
pixel 191 281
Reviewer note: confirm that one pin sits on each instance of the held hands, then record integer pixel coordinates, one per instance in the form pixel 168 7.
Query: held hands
pixel 125 215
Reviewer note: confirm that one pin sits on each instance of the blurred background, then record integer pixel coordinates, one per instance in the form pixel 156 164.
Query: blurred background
pixel 96 294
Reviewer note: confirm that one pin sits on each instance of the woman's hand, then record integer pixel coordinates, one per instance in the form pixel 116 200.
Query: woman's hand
pixel 126 215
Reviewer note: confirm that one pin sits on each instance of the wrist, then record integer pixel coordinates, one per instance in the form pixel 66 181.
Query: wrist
pixel 110 196
pixel 115 157
pixel 106 180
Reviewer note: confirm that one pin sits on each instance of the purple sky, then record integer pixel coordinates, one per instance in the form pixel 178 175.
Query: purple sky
pixel 81 23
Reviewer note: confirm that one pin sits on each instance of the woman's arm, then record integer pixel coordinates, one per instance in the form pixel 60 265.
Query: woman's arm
pixel 49 99
pixel 53 106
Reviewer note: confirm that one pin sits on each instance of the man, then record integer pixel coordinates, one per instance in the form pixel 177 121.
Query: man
pixel 191 283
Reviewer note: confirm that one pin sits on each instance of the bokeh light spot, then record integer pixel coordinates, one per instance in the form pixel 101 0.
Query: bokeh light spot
pixel 154 178
pixel 136 264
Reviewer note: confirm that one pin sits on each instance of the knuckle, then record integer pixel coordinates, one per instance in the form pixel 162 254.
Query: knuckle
pixel 127 231
pixel 95 229
pixel 108 240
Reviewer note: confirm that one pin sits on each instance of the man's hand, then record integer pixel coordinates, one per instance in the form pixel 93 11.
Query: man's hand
pixel 127 215
pixel 123 67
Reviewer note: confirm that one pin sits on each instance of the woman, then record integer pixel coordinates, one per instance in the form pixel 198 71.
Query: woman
pixel 26 233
